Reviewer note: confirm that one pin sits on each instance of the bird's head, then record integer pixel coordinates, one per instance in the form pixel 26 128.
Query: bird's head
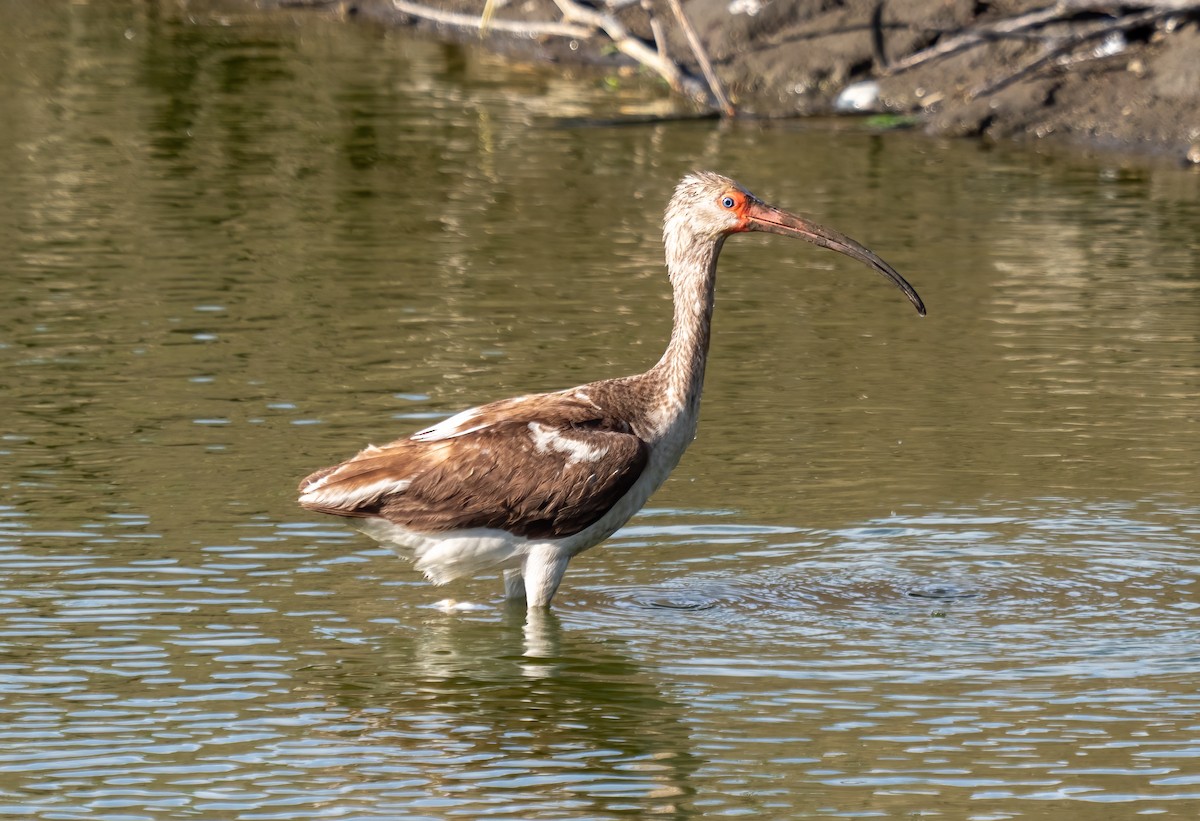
pixel 707 208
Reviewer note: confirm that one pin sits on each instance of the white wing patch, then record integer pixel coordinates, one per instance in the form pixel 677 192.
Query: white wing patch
pixel 457 425
pixel 351 496
pixel 581 396
pixel 547 439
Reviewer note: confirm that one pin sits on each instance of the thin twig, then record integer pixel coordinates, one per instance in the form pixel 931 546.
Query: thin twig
pixel 878 41
pixel 660 37
pixel 714 84
pixel 530 29
pixel 677 79
pixel 1061 11
pixel 973 37
pixel 656 29
pixel 485 19
pixel 1054 53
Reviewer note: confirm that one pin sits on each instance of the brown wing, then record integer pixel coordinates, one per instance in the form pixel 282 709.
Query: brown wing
pixel 542 466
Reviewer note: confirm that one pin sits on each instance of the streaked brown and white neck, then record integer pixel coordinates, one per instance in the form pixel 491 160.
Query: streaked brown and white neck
pixel 679 375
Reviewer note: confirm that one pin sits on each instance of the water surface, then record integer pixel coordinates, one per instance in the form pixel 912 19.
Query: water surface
pixel 911 567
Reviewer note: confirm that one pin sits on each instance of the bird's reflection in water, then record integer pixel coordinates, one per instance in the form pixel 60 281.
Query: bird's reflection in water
pixel 543 639
pixel 518 705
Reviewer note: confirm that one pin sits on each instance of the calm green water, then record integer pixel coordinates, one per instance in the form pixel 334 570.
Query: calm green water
pixel 943 567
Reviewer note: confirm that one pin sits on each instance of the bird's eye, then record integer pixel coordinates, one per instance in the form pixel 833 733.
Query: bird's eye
pixel 727 202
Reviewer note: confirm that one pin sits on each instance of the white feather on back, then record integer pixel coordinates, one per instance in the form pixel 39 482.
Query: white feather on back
pixel 448 428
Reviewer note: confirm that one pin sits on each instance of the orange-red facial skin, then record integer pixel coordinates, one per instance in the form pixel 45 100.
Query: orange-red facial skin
pixel 740 207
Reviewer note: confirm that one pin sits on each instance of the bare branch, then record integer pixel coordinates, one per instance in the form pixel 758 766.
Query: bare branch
pixel 1061 11
pixel 973 37
pixel 676 78
pixel 467 21
pixel 656 28
pixel 1055 52
pixel 714 84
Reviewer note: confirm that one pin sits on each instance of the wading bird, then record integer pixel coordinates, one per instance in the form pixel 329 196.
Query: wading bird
pixel 526 484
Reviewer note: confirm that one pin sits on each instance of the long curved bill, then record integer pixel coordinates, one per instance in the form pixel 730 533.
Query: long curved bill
pixel 762 217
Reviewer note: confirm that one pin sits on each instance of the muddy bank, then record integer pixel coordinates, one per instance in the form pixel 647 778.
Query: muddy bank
pixel 1085 72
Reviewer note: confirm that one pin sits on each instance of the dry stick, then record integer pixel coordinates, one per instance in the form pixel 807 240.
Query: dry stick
pixel 660 37
pixel 679 81
pixel 966 40
pixel 1052 53
pixel 878 41
pixel 1048 55
pixel 485 19
pixel 1061 10
pixel 656 29
pixel 693 39
pixel 676 78
pixel 530 29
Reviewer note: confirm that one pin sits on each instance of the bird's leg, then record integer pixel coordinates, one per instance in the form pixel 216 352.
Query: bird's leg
pixel 543 569
pixel 514 584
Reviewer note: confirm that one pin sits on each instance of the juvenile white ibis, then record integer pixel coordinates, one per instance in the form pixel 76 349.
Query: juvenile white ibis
pixel 526 484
